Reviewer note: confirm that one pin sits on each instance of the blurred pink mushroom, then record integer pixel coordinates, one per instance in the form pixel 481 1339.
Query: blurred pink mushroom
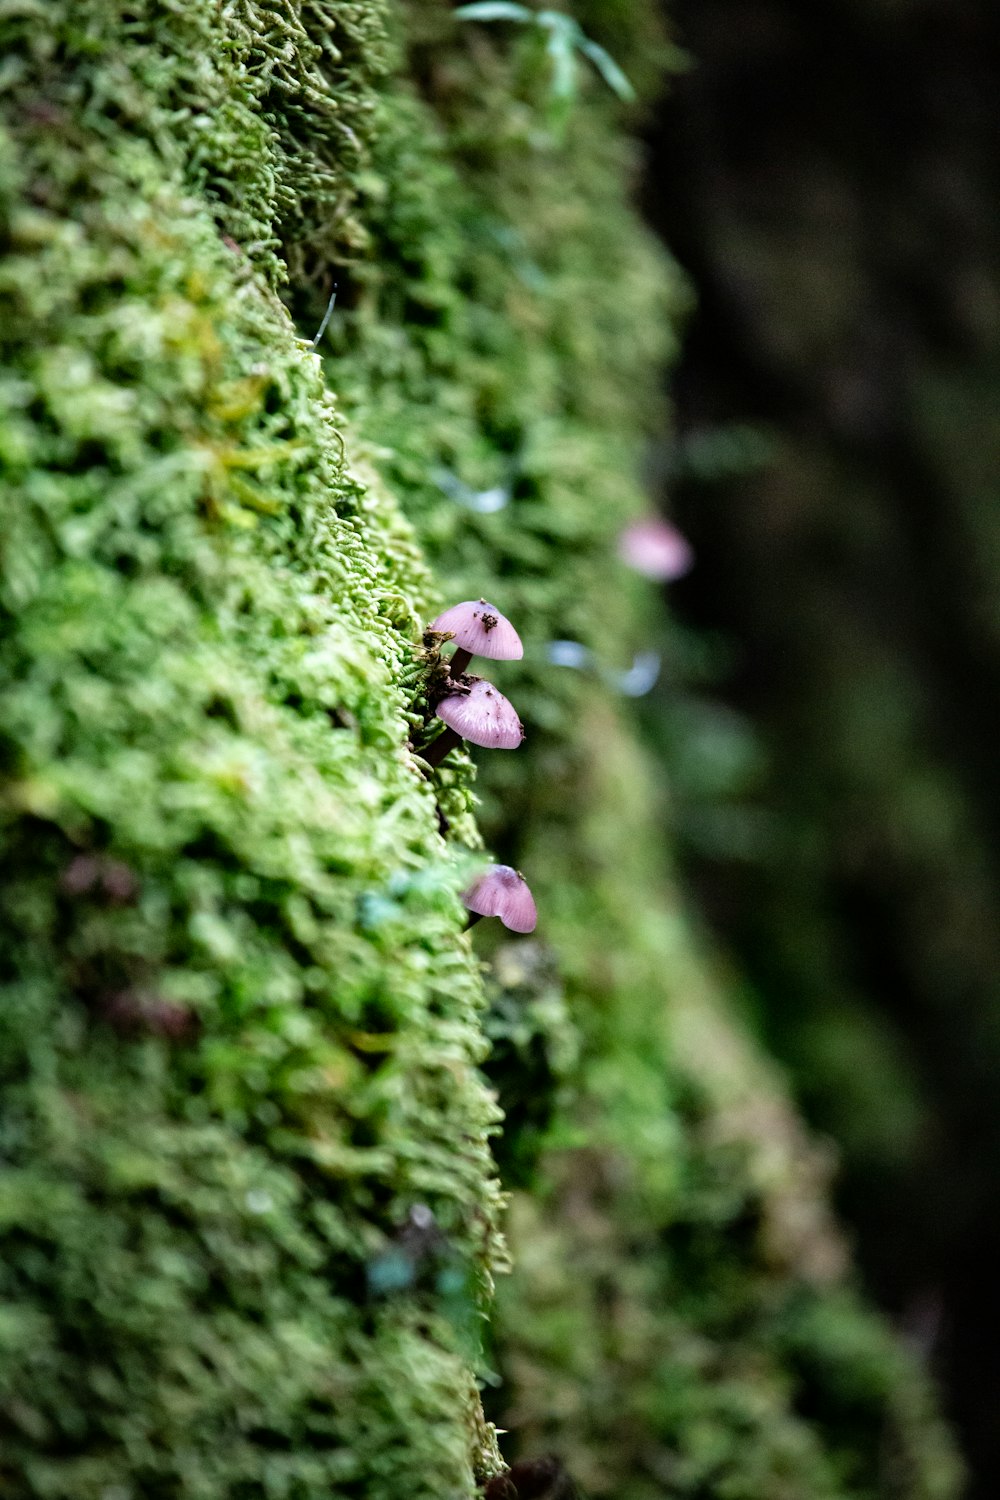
pixel 478 714
pixel 479 630
pixel 502 892
pixel 656 549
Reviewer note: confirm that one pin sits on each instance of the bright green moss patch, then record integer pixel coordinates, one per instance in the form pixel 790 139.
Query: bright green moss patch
pixel 238 1030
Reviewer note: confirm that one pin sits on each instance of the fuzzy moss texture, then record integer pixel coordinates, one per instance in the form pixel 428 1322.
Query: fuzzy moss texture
pixel 241 1030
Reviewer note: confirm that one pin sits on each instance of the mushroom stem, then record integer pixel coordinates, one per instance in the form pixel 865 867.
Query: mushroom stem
pixel 459 663
pixel 438 749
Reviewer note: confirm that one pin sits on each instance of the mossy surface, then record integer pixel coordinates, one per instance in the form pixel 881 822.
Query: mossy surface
pixel 239 1029
pixel 240 1024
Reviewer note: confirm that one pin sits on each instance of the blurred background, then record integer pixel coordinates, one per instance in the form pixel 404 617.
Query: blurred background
pixel 827 173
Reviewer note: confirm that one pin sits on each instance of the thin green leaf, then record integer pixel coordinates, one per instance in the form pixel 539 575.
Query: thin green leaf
pixel 560 49
pixel 608 68
pixel 494 10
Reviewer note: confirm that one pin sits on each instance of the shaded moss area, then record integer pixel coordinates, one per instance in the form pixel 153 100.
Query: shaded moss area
pixel 249 1212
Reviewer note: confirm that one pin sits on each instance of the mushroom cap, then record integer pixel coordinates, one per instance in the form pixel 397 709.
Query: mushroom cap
pixel 656 549
pixel 502 892
pixel 482 716
pixel 480 628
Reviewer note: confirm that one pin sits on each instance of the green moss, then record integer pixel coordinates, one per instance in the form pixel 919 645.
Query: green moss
pixel 240 1026
pixel 238 1033
pixel 680 1316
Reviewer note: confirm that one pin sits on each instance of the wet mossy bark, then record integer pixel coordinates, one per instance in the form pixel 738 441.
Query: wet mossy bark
pixel 248 1208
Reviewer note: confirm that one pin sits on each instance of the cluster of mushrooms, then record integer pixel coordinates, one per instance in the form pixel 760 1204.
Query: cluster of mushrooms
pixel 474 711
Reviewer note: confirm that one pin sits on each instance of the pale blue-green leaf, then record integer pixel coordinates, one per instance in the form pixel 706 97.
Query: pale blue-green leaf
pixel 494 10
pixel 560 49
pixel 608 68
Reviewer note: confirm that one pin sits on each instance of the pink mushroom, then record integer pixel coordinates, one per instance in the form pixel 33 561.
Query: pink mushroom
pixel 478 714
pixel 479 630
pixel 502 892
pixel 656 549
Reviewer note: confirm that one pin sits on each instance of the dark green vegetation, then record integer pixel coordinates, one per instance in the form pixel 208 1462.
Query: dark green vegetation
pixel 240 1022
pixel 830 176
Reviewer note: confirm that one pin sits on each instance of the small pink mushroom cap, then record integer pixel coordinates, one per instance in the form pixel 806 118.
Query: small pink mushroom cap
pixel 503 893
pixel 481 629
pixel 483 717
pixel 656 549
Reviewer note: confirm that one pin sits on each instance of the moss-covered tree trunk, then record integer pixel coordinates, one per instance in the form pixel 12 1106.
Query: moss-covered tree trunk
pixel 248 1209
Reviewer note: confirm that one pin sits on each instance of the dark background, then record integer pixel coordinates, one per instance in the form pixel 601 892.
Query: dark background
pixel 827 173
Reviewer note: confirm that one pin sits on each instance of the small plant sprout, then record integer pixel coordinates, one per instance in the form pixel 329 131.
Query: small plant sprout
pixel 479 629
pixel 479 714
pixel 326 317
pixel 502 892
pixel 481 502
pixel 570 654
pixel 565 42
pixel 640 678
pixel 656 549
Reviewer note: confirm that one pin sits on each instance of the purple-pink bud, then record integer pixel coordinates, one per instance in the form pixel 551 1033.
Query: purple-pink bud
pixel 482 716
pixel 481 630
pixel 502 892
pixel 656 549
